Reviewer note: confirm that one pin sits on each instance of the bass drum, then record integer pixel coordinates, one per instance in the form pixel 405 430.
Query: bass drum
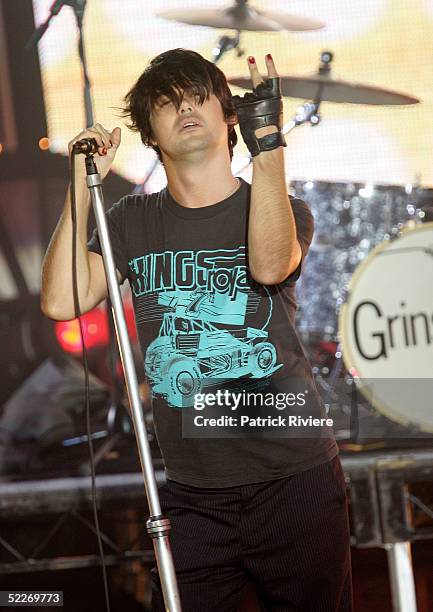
pixel 350 220
pixel 386 328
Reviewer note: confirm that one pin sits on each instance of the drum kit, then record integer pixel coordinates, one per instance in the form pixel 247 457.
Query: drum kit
pixel 363 317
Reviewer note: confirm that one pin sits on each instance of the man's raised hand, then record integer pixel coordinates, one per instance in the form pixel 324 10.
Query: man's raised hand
pixel 260 113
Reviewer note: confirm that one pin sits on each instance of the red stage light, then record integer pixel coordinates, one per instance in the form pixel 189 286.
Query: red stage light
pixel 95 330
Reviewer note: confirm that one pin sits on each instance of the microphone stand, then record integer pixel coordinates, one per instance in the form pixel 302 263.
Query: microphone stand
pixel 55 9
pixel 78 7
pixel 158 527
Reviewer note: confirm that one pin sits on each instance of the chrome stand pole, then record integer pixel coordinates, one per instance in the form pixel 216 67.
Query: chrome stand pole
pixel 158 527
pixel 401 576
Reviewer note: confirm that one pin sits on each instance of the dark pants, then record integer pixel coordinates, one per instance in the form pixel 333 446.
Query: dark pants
pixel 290 537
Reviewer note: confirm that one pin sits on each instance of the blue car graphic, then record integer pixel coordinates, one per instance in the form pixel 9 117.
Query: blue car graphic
pixel 189 350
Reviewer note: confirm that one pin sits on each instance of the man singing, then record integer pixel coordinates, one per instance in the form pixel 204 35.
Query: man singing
pixel 212 263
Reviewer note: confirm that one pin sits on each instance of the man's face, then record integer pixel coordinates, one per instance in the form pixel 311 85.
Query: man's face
pixel 177 138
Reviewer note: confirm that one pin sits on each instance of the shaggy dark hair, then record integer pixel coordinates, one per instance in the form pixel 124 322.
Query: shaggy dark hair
pixel 170 74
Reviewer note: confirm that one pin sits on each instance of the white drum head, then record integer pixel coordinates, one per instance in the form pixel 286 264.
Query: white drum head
pixel 386 328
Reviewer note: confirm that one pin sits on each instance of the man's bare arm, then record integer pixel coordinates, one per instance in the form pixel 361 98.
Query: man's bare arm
pixel 57 294
pixel 57 289
pixel 273 249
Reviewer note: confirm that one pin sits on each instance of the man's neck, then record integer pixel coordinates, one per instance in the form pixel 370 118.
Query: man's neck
pixel 202 182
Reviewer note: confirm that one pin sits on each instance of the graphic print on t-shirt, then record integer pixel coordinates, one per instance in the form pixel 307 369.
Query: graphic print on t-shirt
pixel 214 321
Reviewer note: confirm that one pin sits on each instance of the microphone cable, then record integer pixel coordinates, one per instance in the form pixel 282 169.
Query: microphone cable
pixel 77 310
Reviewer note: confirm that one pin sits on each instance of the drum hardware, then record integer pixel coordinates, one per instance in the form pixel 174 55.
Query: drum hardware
pixel 341 92
pixel 382 511
pixel 224 44
pixel 322 87
pixel 386 329
pixel 351 220
pixel 242 16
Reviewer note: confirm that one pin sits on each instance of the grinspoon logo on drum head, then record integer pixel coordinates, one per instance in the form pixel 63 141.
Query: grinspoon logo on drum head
pixel 387 327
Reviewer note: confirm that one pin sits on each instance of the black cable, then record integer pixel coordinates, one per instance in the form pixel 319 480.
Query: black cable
pixel 77 310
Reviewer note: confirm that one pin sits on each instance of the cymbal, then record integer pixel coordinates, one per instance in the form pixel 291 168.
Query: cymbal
pixel 242 17
pixel 328 89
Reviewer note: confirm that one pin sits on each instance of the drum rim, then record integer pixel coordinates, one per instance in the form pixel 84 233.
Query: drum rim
pixel 342 322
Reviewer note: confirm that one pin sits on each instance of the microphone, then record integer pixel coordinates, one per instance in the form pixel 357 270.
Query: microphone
pixel 87 146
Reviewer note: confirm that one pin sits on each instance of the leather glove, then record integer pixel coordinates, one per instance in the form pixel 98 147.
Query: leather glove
pixel 258 109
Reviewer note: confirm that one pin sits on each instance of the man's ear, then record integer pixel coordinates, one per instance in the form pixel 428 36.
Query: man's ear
pixel 232 120
pixel 151 140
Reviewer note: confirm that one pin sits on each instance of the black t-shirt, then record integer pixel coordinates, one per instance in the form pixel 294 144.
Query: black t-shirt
pixel 204 324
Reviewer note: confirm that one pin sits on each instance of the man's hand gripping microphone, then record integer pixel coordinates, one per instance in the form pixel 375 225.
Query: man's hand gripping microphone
pixel 88 146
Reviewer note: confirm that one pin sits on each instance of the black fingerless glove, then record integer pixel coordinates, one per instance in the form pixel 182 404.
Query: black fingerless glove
pixel 259 109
